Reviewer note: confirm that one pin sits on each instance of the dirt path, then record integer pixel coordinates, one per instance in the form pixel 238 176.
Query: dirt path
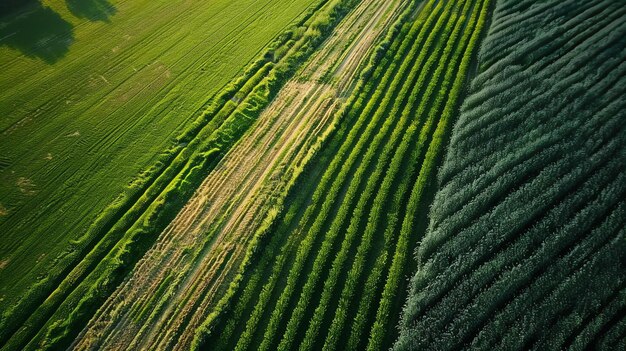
pixel 175 285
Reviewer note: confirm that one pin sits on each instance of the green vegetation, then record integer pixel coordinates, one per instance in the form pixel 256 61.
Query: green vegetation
pixel 526 245
pixel 257 175
pixel 381 155
pixel 76 131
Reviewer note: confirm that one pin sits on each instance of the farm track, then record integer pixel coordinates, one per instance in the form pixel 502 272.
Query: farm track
pixel 231 201
pixel 525 248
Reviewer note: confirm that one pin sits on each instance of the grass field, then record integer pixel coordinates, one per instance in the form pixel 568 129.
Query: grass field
pixel 312 174
pixel 81 119
pixel 526 247
pixel 86 108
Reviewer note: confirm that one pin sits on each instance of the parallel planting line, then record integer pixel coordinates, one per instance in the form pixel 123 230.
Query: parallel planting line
pixel 397 128
pixel 525 248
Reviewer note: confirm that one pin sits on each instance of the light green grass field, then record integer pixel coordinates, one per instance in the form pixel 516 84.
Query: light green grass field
pixel 91 92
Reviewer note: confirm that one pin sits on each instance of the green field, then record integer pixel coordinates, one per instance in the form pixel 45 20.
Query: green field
pixel 92 100
pixel 334 266
pixel 312 174
pixel 526 246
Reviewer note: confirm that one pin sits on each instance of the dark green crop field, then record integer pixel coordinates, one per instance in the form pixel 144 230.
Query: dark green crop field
pixel 312 175
pixel 526 245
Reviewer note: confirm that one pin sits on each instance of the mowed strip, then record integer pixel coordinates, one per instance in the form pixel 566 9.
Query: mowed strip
pixel 332 272
pixel 200 251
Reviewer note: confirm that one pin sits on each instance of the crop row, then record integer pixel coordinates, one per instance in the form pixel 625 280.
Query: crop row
pixel 378 128
pixel 354 275
pixel 525 243
pixel 245 338
pixel 411 89
pixel 395 135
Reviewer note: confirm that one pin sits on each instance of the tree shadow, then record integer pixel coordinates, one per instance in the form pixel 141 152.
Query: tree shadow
pixel 8 7
pixel 92 10
pixel 37 32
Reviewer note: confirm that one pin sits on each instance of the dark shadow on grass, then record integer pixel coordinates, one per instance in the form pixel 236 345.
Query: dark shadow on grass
pixel 92 10
pixel 8 7
pixel 37 31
